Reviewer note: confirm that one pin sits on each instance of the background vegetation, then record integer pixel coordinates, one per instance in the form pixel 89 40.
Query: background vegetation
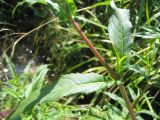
pixel 37 48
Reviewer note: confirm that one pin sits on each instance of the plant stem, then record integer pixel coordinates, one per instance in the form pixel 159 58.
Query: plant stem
pixel 140 96
pixel 94 50
pixel 128 103
pixel 113 74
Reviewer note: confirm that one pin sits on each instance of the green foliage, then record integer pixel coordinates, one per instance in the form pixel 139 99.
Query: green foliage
pixel 37 1
pixel 63 9
pixel 120 34
pixel 66 9
pixel 11 67
pixel 78 83
pixel 72 9
pixel 35 96
pixel 37 80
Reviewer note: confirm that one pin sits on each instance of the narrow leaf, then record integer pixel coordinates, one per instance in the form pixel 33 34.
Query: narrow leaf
pixel 11 92
pixel 11 67
pixel 36 1
pixel 38 79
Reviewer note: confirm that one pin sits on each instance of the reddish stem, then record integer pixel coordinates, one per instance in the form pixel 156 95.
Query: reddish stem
pixel 128 103
pixel 114 75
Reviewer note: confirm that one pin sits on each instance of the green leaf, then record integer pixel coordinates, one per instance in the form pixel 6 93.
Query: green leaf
pixel 67 85
pixel 58 8
pixel 15 8
pixel 28 103
pixel 71 6
pixel 117 98
pixel 59 11
pixel 120 31
pixel 96 5
pixel 152 55
pixel 11 91
pixel 138 69
pixel 123 64
pixel 36 1
pixel 61 8
pixel 77 83
pixel 67 8
pixel 25 76
pixel 38 79
pixel 11 67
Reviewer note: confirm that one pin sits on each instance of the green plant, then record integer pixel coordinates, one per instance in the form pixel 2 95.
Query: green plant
pixel 127 73
pixel 68 9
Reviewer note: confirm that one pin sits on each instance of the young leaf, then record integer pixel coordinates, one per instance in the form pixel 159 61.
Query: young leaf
pixel 67 8
pixel 67 85
pixel 38 79
pixel 71 6
pixel 120 31
pixel 11 67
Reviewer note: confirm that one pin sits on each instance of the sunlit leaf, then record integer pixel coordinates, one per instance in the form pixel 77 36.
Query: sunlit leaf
pixel 38 79
pixel 11 67
pixel 36 1
pixel 120 31
pixel 11 91
pixel 62 8
pixel 72 7
pixel 67 85
pixel 78 83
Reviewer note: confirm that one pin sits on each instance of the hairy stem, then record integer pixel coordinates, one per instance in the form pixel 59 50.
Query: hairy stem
pixel 113 74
